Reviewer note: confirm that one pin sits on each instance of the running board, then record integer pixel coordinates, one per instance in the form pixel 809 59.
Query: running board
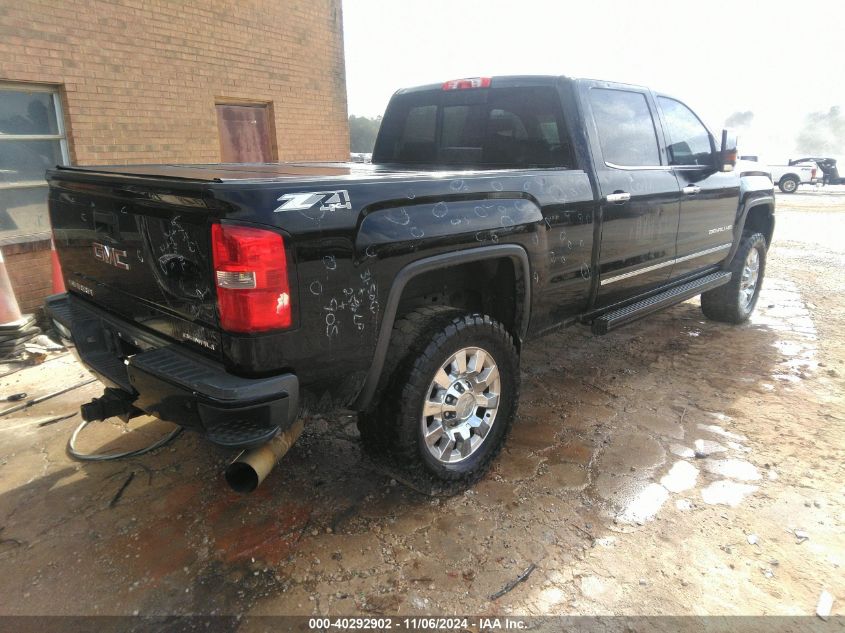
pixel 622 316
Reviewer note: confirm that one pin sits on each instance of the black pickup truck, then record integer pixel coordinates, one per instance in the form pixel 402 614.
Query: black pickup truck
pixel 231 299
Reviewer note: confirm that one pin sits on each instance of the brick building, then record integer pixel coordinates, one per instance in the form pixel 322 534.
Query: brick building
pixel 152 81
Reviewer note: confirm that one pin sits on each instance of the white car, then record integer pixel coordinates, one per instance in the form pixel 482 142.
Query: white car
pixel 751 166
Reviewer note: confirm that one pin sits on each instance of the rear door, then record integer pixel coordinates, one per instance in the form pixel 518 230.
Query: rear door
pixel 640 199
pixel 709 198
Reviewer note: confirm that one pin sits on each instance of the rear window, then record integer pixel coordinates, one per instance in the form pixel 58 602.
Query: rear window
pixel 495 127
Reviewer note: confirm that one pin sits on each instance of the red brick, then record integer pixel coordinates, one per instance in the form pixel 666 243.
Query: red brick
pixel 139 81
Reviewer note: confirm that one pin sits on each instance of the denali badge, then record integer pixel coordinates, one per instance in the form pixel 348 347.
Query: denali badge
pixel 720 229
pixel 110 255
pixel 328 201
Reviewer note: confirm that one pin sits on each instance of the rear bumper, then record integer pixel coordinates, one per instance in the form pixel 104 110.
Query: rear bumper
pixel 173 384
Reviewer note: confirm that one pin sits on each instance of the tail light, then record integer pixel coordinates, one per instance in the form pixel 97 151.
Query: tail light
pixel 813 173
pixel 467 83
pixel 250 266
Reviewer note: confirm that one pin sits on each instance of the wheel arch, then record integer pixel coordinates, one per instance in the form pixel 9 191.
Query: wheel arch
pixel 760 218
pixel 756 213
pixel 512 253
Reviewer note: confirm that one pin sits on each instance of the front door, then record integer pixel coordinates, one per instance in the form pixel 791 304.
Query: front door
pixel 640 200
pixel 710 198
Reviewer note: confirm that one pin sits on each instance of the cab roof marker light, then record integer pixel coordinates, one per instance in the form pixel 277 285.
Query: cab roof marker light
pixel 467 83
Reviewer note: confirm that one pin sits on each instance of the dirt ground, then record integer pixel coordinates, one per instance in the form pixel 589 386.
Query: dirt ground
pixel 677 466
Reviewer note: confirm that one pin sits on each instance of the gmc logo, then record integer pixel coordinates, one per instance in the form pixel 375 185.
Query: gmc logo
pixel 109 255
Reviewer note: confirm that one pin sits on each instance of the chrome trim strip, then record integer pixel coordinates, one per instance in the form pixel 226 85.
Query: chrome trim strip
pixel 639 271
pixel 640 167
pixel 668 262
pixel 709 251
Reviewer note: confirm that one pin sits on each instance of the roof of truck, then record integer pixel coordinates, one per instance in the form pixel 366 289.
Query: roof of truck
pixel 500 81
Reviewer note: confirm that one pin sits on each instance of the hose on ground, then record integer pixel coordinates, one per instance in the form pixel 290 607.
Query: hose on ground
pixel 104 457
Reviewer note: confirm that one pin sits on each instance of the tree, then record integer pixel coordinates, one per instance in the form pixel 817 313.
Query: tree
pixel 362 133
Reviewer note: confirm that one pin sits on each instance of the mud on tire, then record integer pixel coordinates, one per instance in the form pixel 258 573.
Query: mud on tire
pixel 373 423
pixel 732 303
pixel 423 342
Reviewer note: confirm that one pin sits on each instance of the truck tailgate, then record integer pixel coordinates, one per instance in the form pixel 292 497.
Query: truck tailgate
pixel 140 249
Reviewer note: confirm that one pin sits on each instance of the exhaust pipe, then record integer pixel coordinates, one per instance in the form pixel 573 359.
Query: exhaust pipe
pixel 251 467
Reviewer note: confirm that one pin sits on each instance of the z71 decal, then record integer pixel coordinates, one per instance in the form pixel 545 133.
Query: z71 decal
pixel 328 200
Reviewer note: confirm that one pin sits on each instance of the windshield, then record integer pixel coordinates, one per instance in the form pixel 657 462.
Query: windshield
pixel 495 128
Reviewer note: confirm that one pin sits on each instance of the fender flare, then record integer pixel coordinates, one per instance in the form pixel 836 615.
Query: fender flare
pixel 750 204
pixel 500 251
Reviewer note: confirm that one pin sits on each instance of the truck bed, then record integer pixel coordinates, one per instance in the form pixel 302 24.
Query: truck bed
pixel 241 172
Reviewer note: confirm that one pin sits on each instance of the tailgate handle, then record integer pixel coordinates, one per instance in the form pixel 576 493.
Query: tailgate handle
pixel 105 222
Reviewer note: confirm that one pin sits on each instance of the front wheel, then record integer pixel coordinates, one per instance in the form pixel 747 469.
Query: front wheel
pixel 453 399
pixel 735 301
pixel 788 184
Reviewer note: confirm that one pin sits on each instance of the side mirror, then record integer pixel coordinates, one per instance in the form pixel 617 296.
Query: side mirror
pixel 726 158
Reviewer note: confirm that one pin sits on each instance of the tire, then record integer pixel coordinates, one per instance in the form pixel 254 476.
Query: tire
pixel 463 370
pixel 406 332
pixel 789 184
pixel 735 301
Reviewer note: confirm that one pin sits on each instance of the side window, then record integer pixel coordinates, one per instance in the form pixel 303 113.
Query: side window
pixel 626 129
pixel 689 141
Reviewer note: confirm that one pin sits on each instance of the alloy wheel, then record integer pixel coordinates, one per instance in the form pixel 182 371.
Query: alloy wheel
pixel 461 405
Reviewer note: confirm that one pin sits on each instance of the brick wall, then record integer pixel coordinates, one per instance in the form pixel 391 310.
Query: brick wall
pixel 139 79
pixel 31 273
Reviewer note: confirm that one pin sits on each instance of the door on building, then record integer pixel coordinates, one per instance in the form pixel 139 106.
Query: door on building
pixel 245 133
pixel 32 140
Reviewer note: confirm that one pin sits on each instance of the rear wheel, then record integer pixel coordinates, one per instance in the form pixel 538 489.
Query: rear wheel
pixel 735 301
pixel 452 400
pixel 461 406
pixel 788 184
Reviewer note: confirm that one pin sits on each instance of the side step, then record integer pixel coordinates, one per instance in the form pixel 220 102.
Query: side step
pixel 622 316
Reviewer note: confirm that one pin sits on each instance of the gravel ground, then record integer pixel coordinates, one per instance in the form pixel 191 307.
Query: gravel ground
pixel 676 466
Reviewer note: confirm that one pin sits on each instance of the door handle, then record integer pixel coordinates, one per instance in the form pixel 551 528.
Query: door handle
pixel 618 196
pixel 691 190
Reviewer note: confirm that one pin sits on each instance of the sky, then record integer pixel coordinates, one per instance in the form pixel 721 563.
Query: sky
pixel 780 62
